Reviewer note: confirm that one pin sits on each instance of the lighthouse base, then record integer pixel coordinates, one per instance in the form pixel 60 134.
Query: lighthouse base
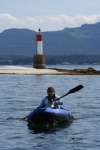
pixel 39 62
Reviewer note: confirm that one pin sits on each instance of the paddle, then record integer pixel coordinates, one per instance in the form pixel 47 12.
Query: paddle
pixel 77 88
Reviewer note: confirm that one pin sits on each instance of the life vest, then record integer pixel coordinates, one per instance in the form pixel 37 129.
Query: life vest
pixel 50 101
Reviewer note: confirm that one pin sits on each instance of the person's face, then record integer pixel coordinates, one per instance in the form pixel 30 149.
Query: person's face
pixel 51 93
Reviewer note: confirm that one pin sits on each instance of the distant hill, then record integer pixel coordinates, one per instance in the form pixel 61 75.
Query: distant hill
pixel 69 41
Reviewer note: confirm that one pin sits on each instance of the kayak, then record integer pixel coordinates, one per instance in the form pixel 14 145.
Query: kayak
pixel 48 115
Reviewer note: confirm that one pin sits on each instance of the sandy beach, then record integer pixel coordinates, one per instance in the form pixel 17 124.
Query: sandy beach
pixel 25 70
pixel 47 71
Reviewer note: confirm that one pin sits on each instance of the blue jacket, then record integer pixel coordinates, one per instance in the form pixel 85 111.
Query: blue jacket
pixel 46 103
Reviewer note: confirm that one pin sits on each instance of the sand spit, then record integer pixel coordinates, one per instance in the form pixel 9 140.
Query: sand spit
pixel 48 71
pixel 25 70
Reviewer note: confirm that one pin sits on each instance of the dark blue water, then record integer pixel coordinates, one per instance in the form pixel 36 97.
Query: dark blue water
pixel 19 94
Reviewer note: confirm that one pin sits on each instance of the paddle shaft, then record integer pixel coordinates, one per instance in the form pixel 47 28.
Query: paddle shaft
pixel 24 117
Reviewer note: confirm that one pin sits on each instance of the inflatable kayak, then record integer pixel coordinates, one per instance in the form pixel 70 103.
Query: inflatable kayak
pixel 50 116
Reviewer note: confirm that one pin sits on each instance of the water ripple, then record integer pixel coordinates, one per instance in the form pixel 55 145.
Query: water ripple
pixel 21 94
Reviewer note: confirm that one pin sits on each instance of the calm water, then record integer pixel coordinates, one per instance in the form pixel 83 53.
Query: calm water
pixel 19 94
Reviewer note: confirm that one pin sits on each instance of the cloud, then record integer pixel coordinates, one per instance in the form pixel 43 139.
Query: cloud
pixel 7 18
pixel 74 20
pixel 45 22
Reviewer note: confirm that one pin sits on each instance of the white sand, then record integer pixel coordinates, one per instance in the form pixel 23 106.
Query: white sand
pixel 25 70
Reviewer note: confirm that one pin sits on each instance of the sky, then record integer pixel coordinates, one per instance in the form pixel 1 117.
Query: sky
pixel 49 15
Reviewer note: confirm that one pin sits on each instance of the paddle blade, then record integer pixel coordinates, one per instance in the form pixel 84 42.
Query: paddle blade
pixel 77 88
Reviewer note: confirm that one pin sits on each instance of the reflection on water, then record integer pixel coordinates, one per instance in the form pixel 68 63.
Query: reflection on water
pixel 38 128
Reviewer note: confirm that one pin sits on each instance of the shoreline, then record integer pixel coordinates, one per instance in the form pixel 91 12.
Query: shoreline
pixel 48 71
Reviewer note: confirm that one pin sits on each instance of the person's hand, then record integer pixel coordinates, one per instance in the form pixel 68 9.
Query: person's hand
pixel 56 102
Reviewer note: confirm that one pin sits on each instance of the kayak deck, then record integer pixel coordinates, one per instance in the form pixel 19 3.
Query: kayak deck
pixel 49 116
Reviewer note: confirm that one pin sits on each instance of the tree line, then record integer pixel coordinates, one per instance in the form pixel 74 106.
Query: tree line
pixel 51 59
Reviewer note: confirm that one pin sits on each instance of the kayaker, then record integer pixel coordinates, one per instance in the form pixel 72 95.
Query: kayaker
pixel 51 99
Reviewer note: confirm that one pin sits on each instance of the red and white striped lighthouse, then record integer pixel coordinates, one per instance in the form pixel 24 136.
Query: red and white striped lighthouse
pixel 39 58
pixel 39 43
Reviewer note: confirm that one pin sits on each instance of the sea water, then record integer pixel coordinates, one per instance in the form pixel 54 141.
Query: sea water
pixel 20 94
